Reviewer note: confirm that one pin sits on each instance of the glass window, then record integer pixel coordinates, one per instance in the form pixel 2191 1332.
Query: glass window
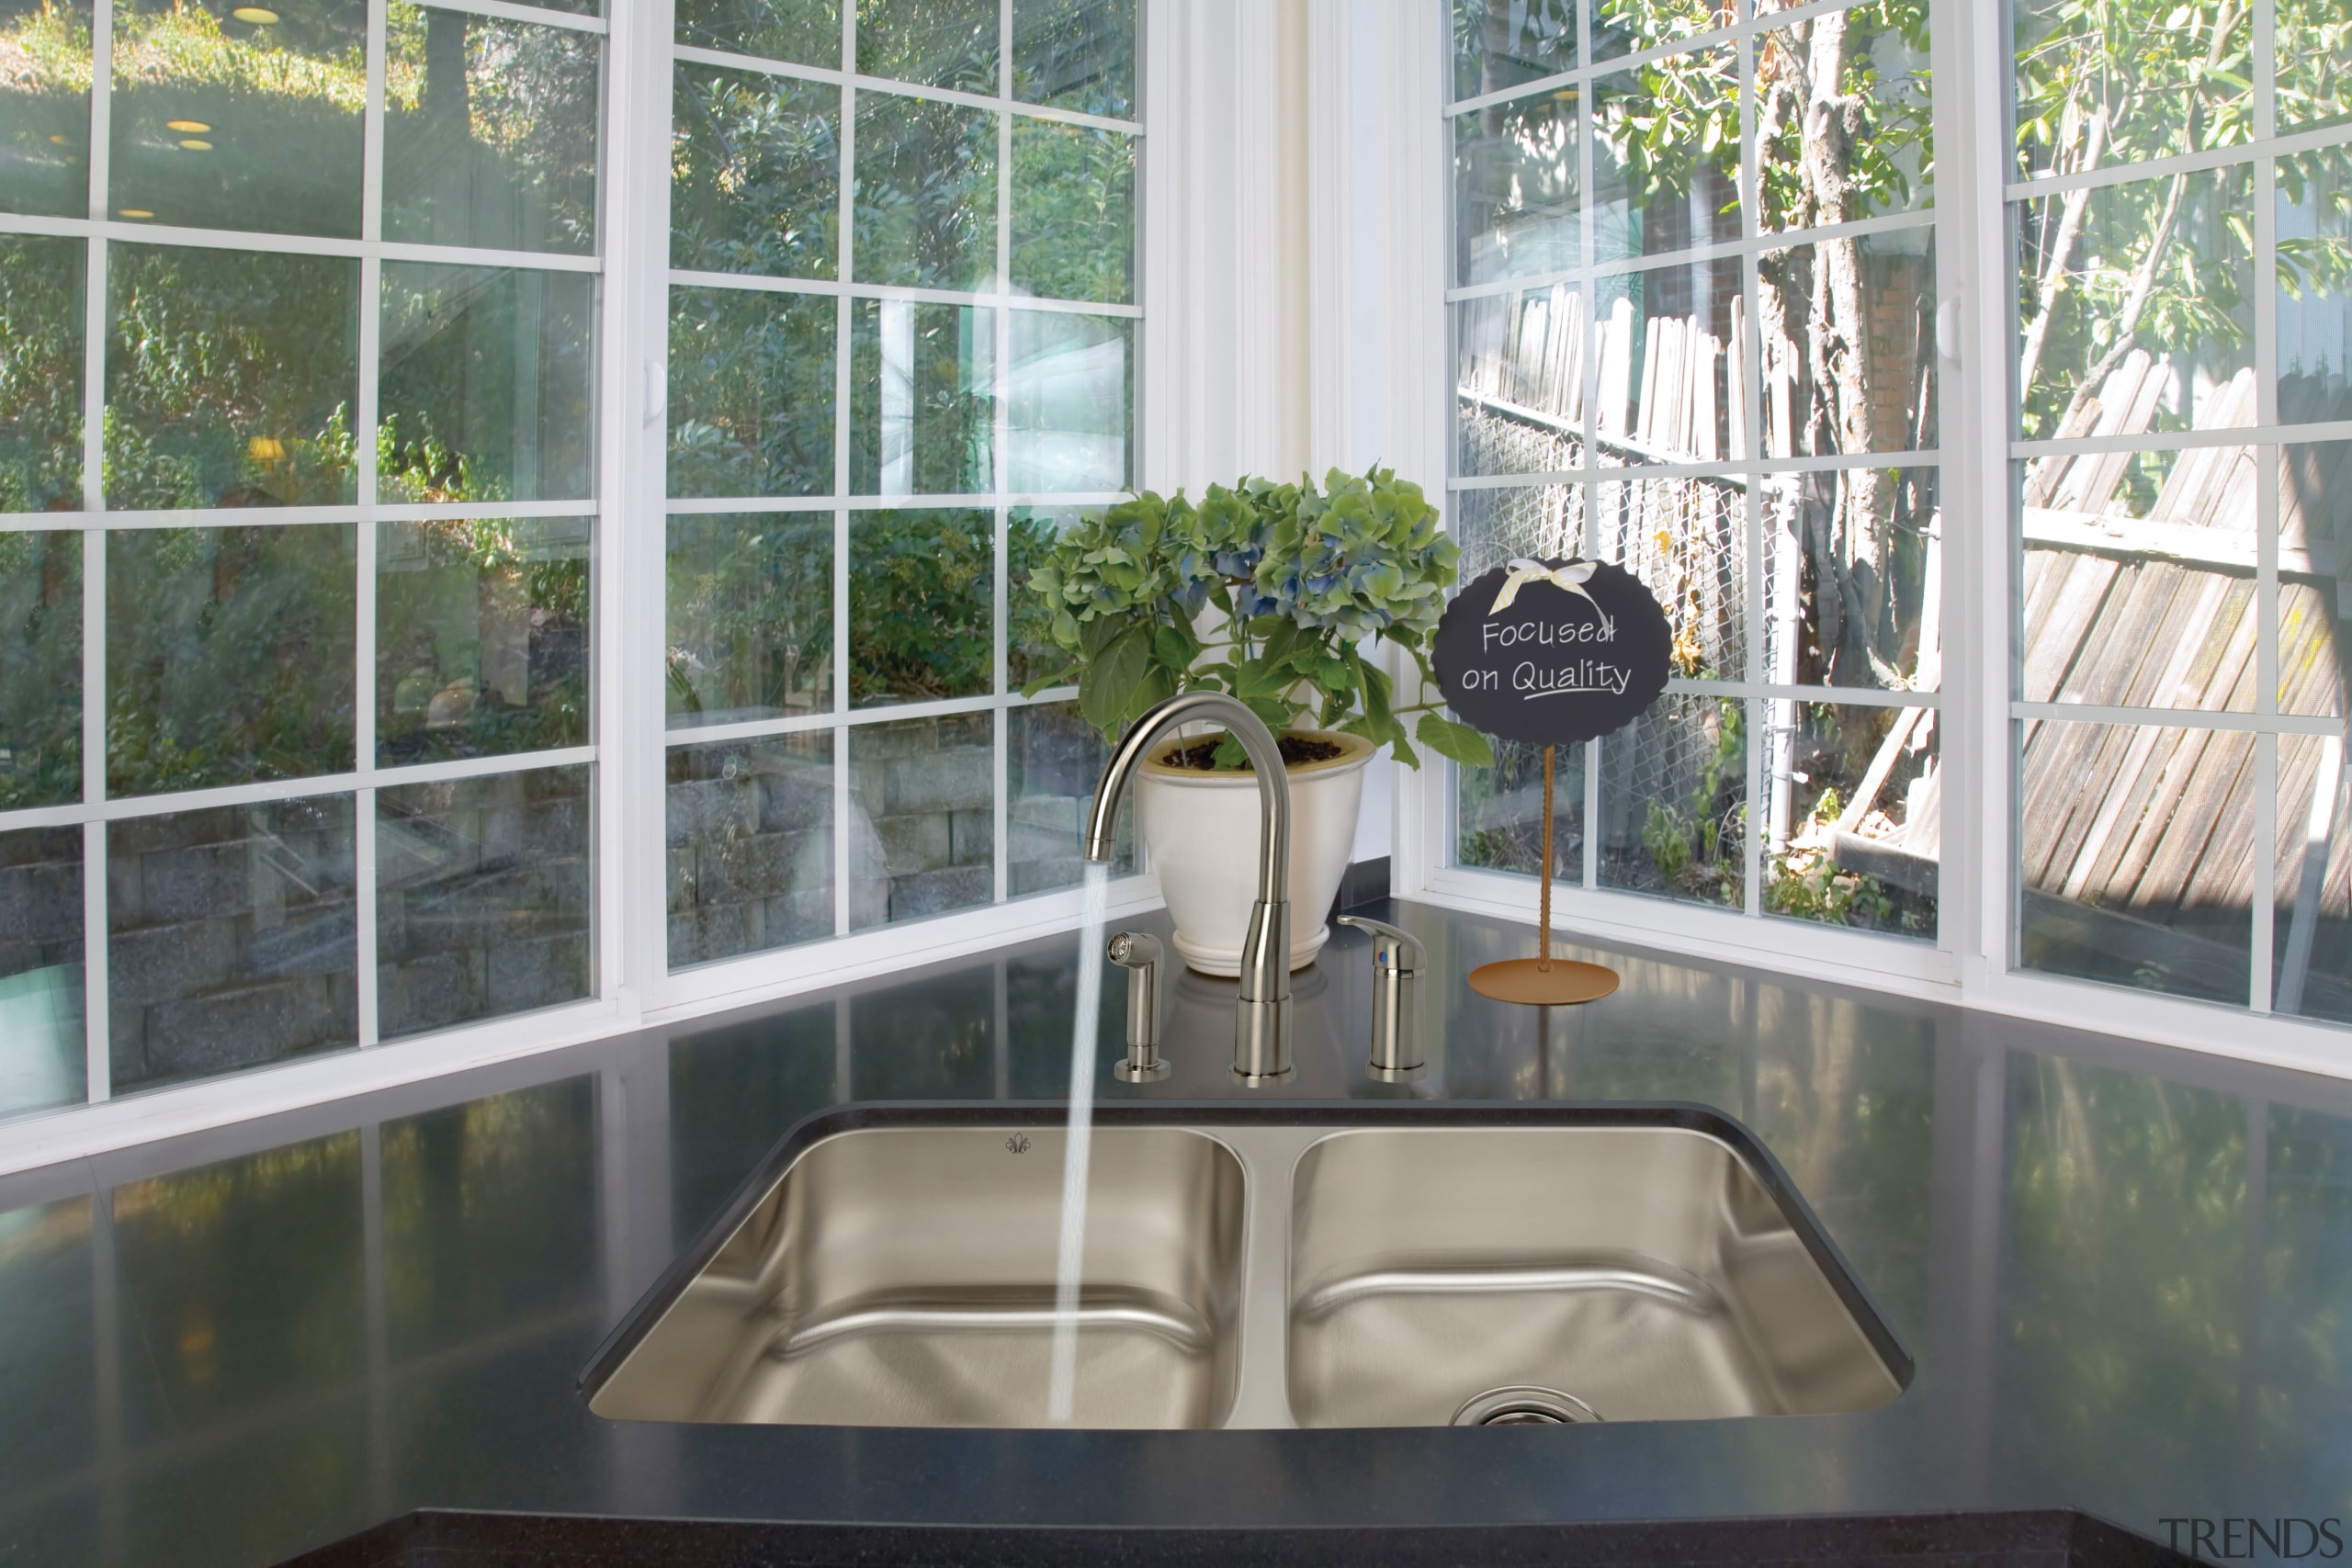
pixel 482 894
pixel 231 938
pixel 755 165
pixel 239 117
pixel 41 969
pixel 1623 304
pixel 751 393
pixel 230 378
pixel 41 279
pixel 230 655
pixel 2174 522
pixel 40 669
pixel 750 617
pixel 921 588
pixel 309 455
pixel 924 208
pixel 482 636
pixel 490 132
pixel 45 107
pixel 487 385
pixel 862 479
pixel 751 846
pixel 923 795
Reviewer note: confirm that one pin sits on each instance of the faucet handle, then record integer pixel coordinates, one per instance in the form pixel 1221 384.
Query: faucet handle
pixel 1391 949
pixel 1139 955
pixel 1396 962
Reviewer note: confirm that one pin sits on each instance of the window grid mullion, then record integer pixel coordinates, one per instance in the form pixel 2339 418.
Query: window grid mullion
pixel 98 1067
pixel 999 481
pixel 845 269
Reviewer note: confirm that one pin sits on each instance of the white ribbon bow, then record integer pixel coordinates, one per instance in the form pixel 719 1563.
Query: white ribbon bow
pixel 1522 572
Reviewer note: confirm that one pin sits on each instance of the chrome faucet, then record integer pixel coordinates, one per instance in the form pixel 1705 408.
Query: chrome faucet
pixel 1262 1019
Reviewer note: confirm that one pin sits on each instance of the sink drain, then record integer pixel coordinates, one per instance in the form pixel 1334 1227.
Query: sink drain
pixel 1523 1405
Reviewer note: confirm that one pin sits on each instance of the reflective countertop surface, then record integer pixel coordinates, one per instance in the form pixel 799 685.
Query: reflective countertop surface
pixel 2125 1272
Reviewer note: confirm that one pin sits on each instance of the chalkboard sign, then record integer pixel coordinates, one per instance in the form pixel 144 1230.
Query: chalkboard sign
pixel 1550 652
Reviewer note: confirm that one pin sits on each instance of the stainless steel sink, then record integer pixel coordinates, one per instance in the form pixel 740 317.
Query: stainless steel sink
pixel 904 1277
pixel 1645 1272
pixel 1259 1266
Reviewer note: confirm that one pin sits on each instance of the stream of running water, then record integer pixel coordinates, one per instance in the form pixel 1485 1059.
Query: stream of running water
pixel 1061 1379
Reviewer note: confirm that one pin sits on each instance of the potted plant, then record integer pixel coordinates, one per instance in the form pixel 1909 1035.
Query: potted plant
pixel 1280 594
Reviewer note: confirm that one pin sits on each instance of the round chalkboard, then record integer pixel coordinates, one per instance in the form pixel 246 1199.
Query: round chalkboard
pixel 1551 652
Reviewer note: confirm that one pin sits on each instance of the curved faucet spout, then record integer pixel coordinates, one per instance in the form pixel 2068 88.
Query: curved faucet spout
pixel 1262 1032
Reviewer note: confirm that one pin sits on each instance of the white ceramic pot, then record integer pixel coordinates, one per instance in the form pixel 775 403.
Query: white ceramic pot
pixel 1201 829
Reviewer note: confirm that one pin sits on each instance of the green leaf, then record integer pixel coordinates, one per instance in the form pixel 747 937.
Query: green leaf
pixel 1458 743
pixel 1175 648
pixel 1104 695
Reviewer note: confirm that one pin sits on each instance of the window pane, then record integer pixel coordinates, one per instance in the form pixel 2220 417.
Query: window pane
pixel 754 174
pixel 1521 362
pixel 921 587
pixel 1076 54
pixel 1879 291
pixel 1672 381
pixel 230 939
pixel 45 107
pixel 1855 816
pixel 1626 27
pixel 1031 654
pixel 482 640
pixel 924 795
pixel 488 384
pixel 484 895
pixel 2134 846
pixel 1853 577
pixel 1053 760
pixel 804 33
pixel 1072 402
pixel 2138 580
pixel 2157 78
pixel 230 377
pixel 1674 801
pixel 2315 39
pixel 1517 205
pixel 922 380
pixel 40 669
pixel 42 1050
pixel 229 656
pixel 2314 211
pixel 1499 812
pixel 490 132
pixel 224 122
pixel 940 43
pixel 40 373
pixel 1073 212
pixel 750 617
pixel 1493 526
pixel 751 393
pixel 2311 927
pixel 1880 72
pixel 1686 540
pixel 1665 156
pixel 925 200
pixel 751 846
pixel 1501 43
pixel 2314 534
pixel 2190 361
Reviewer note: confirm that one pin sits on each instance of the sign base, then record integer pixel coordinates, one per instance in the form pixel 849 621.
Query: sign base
pixel 1543 983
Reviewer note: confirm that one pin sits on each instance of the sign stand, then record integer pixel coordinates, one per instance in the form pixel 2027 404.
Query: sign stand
pixel 1542 653
pixel 1543 981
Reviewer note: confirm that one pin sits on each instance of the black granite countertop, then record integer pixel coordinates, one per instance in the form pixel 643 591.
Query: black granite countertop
pixel 2125 1273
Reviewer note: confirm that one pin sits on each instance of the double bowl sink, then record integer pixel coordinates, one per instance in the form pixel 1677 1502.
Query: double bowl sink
pixel 1257 1267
